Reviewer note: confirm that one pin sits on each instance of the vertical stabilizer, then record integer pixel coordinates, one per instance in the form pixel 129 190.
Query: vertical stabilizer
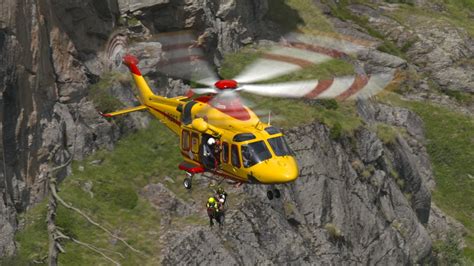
pixel 144 90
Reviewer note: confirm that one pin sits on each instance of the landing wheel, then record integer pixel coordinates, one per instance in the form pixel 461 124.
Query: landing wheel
pixel 187 183
pixel 270 195
pixel 277 193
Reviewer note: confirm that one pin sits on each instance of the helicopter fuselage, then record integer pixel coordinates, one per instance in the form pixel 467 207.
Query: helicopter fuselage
pixel 243 147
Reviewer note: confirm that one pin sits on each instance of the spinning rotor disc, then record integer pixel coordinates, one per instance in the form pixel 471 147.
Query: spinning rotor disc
pixel 183 58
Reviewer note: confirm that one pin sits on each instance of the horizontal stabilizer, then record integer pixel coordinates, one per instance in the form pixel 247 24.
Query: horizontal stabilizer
pixel 125 111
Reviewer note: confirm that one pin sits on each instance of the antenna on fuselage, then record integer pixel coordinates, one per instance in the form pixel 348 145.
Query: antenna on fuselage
pixel 269 117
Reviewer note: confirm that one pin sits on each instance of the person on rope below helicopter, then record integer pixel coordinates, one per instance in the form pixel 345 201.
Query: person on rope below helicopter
pixel 221 197
pixel 213 211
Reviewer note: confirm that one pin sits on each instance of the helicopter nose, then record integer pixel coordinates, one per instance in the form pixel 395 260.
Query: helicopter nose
pixel 276 170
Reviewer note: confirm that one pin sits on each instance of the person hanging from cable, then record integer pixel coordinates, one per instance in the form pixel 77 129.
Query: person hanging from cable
pixel 221 197
pixel 213 211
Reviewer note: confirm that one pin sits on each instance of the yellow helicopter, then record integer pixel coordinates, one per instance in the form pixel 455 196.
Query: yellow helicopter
pixel 221 135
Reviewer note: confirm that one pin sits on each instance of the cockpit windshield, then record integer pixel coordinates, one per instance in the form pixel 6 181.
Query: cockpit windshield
pixel 254 153
pixel 279 146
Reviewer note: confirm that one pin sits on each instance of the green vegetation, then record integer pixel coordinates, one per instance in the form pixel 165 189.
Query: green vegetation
pixel 33 239
pixel 287 113
pixel 100 92
pixel 455 12
pixel 329 69
pixel 113 200
pixel 340 11
pixel 460 97
pixel 298 15
pixel 386 133
pixel 448 252
pixel 234 63
pixel 334 232
pixel 450 138
pixel 342 116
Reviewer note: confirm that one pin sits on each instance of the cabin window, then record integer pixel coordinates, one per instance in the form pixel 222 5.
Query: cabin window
pixel 279 146
pixel 195 142
pixel 235 156
pixel 225 152
pixel 185 140
pixel 243 137
pixel 186 115
pixel 254 153
pixel 272 130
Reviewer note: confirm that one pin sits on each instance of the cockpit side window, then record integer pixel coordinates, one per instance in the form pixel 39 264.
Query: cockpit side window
pixel 254 153
pixel 279 146
pixel 186 117
pixel 235 156
pixel 272 130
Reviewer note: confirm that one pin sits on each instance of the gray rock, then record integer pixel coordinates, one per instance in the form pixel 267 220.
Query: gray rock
pixel 376 223
pixel 370 147
pixel 149 54
pixel 134 5
pixel 396 116
pixel 165 200
pixel 440 225
pixel 439 49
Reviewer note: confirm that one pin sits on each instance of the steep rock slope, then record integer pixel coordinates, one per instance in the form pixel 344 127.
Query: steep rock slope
pixel 50 52
pixel 358 200
pixel 347 207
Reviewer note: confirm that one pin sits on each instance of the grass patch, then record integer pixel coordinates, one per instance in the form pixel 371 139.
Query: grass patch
pixel 32 242
pixel 234 63
pixel 100 92
pixel 450 142
pixel 342 12
pixel 448 252
pixel 334 232
pixel 327 70
pixel 298 15
pixel 137 160
pixel 287 112
pixel 460 97
pixel 456 12
pixel 386 133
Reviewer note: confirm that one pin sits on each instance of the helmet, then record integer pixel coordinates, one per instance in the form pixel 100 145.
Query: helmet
pixel 220 190
pixel 211 200
pixel 211 141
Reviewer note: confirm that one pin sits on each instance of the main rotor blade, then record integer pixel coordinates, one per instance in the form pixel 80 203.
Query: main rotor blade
pixel 295 89
pixel 340 88
pixel 205 90
pixel 375 85
pixel 280 60
pixel 296 51
pixel 182 57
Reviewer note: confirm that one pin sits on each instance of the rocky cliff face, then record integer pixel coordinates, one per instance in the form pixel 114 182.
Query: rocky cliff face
pixel 43 45
pixel 358 200
pixel 50 52
pixel 349 205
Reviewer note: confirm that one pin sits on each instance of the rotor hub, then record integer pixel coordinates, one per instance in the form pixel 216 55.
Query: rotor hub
pixel 226 84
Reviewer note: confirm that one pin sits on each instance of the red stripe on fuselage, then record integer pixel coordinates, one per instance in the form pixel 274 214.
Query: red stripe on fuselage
pixel 321 87
pixel 172 119
pixel 219 172
pixel 359 82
